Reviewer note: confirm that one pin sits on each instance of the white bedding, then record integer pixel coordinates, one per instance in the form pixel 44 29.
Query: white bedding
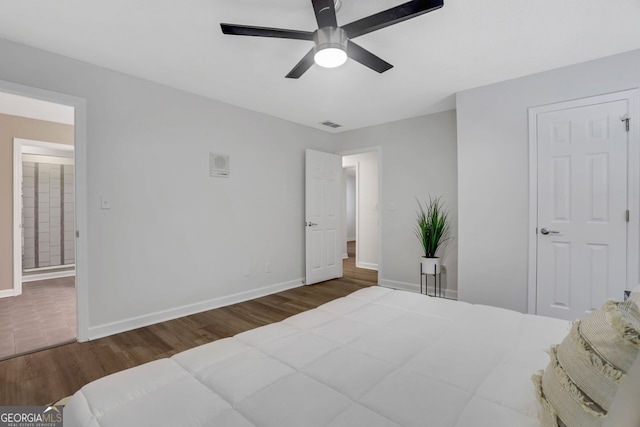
pixel 377 357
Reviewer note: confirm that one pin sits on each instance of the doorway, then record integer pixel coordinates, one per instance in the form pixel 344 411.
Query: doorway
pixel 584 204
pixel 361 231
pixel 44 221
pixel 351 206
pixel 37 290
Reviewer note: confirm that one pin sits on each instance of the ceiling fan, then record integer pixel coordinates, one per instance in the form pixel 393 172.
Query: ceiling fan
pixel 333 44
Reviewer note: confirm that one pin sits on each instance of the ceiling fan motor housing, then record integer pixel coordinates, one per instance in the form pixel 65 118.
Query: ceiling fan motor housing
pixel 330 37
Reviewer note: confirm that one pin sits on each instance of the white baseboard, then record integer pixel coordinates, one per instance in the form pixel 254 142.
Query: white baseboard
pixel 46 276
pixel 7 293
pixel 345 256
pixel 49 268
pixel 367 265
pixel 112 328
pixel 414 287
pixel 351 239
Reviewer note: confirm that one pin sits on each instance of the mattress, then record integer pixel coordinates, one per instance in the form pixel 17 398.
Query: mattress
pixel 377 357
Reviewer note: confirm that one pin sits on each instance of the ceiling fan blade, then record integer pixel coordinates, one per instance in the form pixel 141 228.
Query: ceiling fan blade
pixel 247 30
pixel 325 13
pixel 366 58
pixel 302 66
pixel 391 16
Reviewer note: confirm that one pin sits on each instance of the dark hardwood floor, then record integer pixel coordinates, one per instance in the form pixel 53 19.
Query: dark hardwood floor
pixel 49 375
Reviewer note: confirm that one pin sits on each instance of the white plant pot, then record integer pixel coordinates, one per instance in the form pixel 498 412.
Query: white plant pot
pixel 429 265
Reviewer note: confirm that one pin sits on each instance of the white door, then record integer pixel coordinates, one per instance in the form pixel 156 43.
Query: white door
pixel 323 216
pixel 582 208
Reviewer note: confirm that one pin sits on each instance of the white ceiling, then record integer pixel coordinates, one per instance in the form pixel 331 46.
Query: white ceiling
pixel 466 44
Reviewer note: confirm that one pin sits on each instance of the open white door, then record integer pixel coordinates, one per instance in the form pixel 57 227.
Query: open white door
pixel 322 216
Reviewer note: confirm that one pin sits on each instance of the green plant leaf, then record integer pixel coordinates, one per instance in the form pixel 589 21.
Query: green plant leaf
pixel 432 225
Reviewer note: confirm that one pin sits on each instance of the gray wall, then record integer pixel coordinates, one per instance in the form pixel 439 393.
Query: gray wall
pixel 418 160
pixel 493 163
pixel 175 237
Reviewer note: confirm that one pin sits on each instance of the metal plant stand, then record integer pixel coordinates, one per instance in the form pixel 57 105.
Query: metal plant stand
pixel 437 282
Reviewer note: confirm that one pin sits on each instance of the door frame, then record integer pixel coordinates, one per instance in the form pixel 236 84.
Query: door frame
pixel 377 149
pixel 632 97
pixel 81 207
pixel 20 145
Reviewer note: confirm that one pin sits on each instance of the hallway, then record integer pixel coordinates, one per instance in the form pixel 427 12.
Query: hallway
pixel 43 316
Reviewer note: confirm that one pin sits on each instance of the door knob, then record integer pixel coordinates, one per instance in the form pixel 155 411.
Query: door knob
pixel 546 231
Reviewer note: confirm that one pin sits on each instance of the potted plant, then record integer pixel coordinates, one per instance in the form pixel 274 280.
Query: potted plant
pixel 432 230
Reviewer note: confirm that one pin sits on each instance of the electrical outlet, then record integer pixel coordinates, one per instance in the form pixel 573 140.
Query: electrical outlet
pixel 267 267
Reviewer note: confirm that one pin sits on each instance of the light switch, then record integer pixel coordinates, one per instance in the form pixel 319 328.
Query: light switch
pixel 105 203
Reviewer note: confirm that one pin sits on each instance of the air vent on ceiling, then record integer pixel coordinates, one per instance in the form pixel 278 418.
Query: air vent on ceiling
pixel 330 124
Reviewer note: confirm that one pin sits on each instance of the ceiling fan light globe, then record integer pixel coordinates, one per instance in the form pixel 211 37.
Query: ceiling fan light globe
pixel 330 57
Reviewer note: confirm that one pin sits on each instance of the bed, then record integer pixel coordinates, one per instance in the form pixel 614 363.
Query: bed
pixel 377 357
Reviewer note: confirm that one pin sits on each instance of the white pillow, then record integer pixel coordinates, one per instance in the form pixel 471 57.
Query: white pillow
pixel 597 382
